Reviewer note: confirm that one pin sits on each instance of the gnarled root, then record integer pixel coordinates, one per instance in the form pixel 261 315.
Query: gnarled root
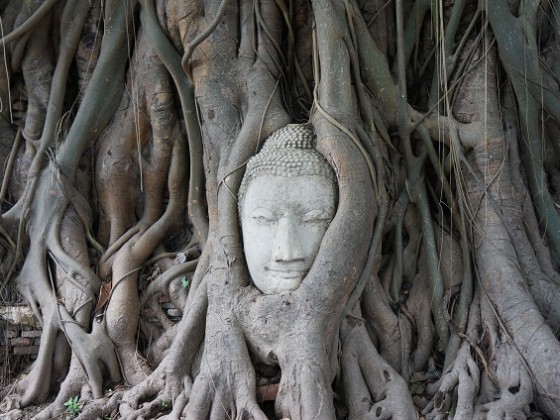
pixel 463 377
pixel 511 391
pixel 507 395
pixel 171 380
pixel 372 388
pixel 305 390
pixel 225 387
pixel 163 385
pixel 75 282
pixel 37 69
pixel 101 408
pixel 74 384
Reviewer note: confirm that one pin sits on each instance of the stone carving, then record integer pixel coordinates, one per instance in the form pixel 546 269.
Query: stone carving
pixel 286 201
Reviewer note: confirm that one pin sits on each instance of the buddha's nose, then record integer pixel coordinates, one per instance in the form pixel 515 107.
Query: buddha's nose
pixel 287 244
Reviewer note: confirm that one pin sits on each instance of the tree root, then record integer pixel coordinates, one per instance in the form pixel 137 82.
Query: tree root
pixel 74 384
pixel 463 377
pixel 172 377
pixel 164 384
pixel 383 323
pixel 100 408
pixel 304 391
pixel 515 388
pixel 415 305
pixel 224 387
pixel 37 69
pixel 78 286
pixel 372 388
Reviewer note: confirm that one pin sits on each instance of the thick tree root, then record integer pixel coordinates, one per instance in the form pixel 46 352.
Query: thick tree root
pixel 172 377
pixel 464 378
pixel 160 388
pixel 224 388
pixel 74 385
pixel 101 408
pixel 304 390
pixel 372 388
pixel 78 286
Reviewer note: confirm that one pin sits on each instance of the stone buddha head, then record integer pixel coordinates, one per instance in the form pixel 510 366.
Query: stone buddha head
pixel 287 199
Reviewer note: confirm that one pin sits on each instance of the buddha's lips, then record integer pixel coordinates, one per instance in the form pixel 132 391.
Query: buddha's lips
pixel 286 273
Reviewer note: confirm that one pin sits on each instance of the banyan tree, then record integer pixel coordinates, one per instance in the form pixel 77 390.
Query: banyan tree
pixel 355 202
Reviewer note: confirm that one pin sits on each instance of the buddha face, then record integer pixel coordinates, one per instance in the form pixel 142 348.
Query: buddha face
pixel 283 222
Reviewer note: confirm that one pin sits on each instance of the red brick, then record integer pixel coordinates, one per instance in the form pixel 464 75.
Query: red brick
pixel 26 350
pixel 267 392
pixel 21 342
pixel 31 334
pixel 8 334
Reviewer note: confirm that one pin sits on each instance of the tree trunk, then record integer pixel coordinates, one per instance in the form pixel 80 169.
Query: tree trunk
pixel 127 128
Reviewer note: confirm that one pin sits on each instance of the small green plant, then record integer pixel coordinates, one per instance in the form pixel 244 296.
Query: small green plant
pixel 184 282
pixel 164 405
pixel 73 407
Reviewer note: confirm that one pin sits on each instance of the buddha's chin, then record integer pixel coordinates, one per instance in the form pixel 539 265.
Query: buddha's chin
pixel 276 283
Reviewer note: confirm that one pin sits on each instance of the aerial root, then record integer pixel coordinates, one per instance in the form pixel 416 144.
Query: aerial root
pixel 161 387
pixel 35 386
pixel 511 393
pixel 224 390
pixel 304 388
pixel 178 406
pixel 74 384
pixel 505 391
pixel 373 389
pixel 101 407
pixel 172 376
pixel 148 410
pixel 464 378
pixel 419 294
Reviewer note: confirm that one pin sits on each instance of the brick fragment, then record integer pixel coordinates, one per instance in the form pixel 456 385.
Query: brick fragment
pixel 21 342
pixel 267 392
pixel 26 350
pixel 7 334
pixel 32 334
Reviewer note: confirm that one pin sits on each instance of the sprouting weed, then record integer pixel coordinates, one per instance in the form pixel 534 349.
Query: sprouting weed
pixel 73 407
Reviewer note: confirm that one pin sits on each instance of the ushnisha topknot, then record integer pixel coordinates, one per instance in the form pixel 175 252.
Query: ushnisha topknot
pixel 287 152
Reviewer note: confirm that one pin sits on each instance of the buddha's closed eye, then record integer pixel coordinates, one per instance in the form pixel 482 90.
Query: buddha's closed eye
pixel 317 216
pixel 264 216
